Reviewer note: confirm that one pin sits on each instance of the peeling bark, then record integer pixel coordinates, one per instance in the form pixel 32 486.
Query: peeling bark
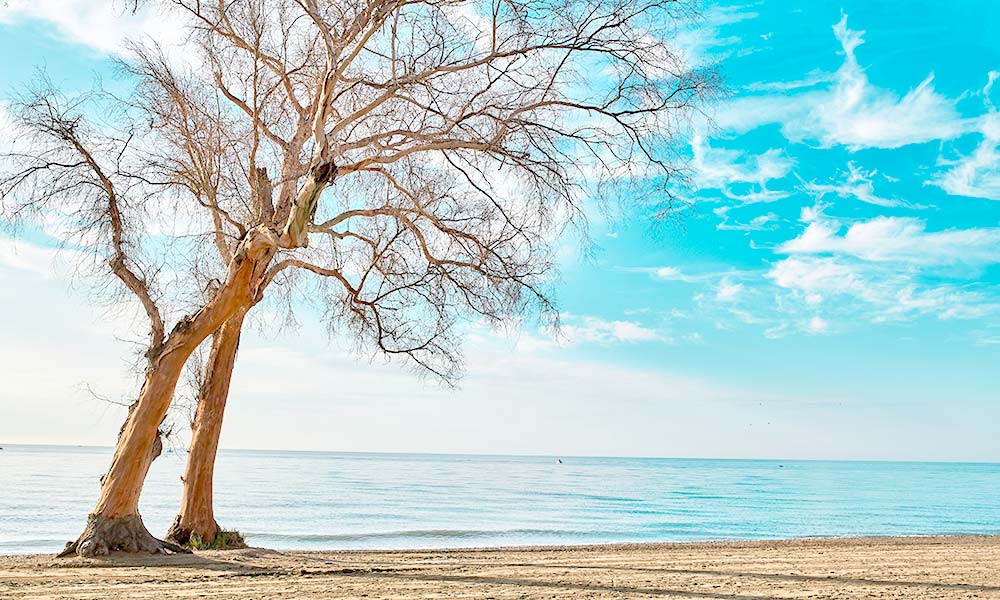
pixel 296 231
pixel 196 516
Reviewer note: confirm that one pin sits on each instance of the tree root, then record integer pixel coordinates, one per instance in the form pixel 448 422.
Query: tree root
pixel 122 534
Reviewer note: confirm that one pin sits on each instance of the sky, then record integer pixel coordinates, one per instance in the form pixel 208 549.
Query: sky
pixel 832 292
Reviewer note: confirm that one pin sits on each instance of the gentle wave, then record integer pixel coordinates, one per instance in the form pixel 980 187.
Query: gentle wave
pixel 35 543
pixel 442 534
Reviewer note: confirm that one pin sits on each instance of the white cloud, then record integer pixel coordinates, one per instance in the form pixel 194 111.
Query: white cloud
pixel 818 277
pixel 586 329
pixel 704 44
pixel 759 223
pixel 727 291
pixel 859 115
pixel 671 273
pixel 808 214
pixel 694 338
pixel 720 168
pixel 851 111
pixel 103 26
pixel 813 79
pixel 976 175
pixel 53 342
pixel 878 267
pixel 901 240
pixel 873 292
pixel 668 273
pixel 29 258
pixel 627 331
pixel 856 183
pixel 817 325
pixel 746 113
pixel 886 269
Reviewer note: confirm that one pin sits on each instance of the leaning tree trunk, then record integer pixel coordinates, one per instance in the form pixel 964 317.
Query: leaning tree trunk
pixel 115 524
pixel 196 520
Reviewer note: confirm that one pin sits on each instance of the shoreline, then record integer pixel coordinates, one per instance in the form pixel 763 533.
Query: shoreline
pixel 901 539
pixel 855 567
pixel 609 546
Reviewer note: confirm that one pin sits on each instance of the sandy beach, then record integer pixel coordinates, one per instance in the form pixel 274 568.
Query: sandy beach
pixel 932 567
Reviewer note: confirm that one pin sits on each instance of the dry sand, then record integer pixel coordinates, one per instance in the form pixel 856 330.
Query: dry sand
pixel 956 567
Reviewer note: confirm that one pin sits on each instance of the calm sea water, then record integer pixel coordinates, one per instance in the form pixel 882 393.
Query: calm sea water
pixel 306 500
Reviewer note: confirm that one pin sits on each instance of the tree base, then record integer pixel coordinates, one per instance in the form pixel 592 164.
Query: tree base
pixel 123 534
pixel 182 535
pixel 221 539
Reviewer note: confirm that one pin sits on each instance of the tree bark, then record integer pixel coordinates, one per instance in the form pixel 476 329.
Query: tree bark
pixel 197 515
pixel 115 523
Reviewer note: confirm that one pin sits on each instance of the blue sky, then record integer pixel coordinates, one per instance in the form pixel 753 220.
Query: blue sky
pixel 843 226
pixel 833 291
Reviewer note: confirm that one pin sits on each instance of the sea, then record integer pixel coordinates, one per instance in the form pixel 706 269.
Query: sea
pixel 337 500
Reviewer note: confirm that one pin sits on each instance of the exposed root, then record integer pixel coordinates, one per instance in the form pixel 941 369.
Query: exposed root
pixel 123 534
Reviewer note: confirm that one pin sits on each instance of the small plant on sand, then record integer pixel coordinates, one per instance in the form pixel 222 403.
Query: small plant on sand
pixel 224 540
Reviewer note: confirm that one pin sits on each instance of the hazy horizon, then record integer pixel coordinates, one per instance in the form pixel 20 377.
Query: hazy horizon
pixel 181 450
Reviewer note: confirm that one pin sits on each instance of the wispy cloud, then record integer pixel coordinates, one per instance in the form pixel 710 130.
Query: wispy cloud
pixel 813 79
pixel 763 222
pixel 720 168
pixel 705 44
pixel 850 110
pixel 103 26
pixel 833 276
pixel 670 274
pixel 856 182
pixel 854 290
pixel 578 329
pixel 673 273
pixel 28 258
pixel 900 240
pixel 880 269
pixel 977 174
pixel 728 291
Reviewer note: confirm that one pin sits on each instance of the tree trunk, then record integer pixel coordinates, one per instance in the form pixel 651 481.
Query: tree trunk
pixel 115 524
pixel 197 517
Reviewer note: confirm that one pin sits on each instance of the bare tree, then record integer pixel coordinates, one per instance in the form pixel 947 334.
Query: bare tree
pixel 418 158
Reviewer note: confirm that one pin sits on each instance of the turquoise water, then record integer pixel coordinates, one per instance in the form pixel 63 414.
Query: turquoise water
pixel 319 500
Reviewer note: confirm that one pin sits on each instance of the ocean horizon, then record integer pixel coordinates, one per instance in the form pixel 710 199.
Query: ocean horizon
pixel 315 500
